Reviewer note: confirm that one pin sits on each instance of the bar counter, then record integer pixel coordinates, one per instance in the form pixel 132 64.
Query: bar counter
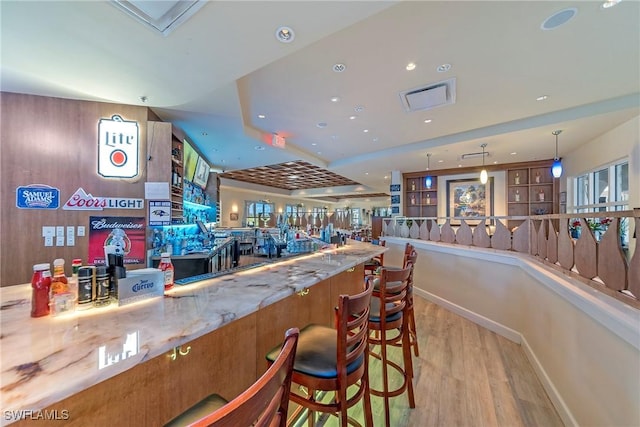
pixel 45 360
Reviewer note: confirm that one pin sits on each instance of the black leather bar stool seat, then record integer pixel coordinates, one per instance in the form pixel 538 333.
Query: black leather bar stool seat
pixel 317 353
pixel 209 404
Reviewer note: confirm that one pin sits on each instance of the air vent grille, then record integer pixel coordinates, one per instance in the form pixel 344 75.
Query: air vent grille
pixel 430 96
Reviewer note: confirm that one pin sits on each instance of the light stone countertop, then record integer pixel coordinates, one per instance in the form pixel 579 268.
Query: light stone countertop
pixel 44 360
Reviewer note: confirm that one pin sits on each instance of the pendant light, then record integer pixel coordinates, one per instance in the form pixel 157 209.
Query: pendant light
pixel 428 181
pixel 484 177
pixel 556 168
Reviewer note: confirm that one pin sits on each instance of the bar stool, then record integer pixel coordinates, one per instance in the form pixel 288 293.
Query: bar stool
pixel 388 320
pixel 410 259
pixel 377 261
pixel 263 404
pixel 332 360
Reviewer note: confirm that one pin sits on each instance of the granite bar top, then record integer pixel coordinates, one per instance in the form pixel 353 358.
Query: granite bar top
pixel 44 360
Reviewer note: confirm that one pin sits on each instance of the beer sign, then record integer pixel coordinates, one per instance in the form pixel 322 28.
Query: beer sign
pixel 118 145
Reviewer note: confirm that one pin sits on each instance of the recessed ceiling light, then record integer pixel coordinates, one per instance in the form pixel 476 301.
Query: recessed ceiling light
pixel 322 125
pixel 428 121
pixel 335 99
pixel 610 3
pixel 443 68
pixel 411 66
pixel 542 98
pixel 259 148
pixel 353 117
pixel 358 108
pixel 495 162
pixel 319 152
pixel 339 68
pixel 558 19
pixel 513 153
pixel 440 161
pixel 334 137
pixel 261 116
pixel 285 34
pixel 366 173
pixel 204 134
pixel 375 139
pixel 144 98
pixel 314 144
pixel 365 130
pixel 386 177
pixel 459 166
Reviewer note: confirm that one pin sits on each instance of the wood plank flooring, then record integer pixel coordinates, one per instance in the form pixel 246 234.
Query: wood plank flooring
pixel 465 376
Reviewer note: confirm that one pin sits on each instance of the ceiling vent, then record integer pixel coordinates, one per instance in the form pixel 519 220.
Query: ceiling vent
pixel 431 96
pixel 161 16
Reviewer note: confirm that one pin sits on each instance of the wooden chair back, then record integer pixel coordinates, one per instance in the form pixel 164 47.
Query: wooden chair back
pixel 352 317
pixel 266 402
pixel 393 292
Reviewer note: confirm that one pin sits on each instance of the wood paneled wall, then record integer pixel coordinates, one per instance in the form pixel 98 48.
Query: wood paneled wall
pixel 54 141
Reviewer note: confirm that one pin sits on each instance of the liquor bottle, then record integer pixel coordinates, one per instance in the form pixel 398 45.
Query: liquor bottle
pixel 428 198
pixel 413 186
pixel 517 195
pixel 541 196
pixel 167 267
pixel 537 177
pixel 40 284
pixel 517 179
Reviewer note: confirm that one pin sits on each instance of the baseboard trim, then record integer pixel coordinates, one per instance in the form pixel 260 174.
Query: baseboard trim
pixel 512 335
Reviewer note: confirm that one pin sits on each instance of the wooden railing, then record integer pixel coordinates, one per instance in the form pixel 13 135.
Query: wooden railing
pixel 599 249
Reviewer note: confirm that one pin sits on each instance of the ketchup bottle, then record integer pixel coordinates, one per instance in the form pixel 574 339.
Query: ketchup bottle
pixel 41 285
pixel 167 267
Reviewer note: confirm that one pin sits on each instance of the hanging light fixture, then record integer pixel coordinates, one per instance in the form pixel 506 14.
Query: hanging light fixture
pixel 428 181
pixel 556 168
pixel 484 177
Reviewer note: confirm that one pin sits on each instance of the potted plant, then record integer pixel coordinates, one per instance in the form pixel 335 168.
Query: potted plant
pixel 574 228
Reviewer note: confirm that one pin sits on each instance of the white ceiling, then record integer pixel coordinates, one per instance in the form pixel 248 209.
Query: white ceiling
pixel 216 72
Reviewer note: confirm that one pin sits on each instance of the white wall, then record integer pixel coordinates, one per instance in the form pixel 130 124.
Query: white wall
pixel 619 143
pixel 585 346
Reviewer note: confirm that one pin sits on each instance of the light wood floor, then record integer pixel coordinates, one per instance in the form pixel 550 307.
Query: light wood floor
pixel 465 376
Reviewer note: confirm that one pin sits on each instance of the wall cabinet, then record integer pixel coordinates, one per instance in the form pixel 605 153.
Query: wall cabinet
pixel 420 195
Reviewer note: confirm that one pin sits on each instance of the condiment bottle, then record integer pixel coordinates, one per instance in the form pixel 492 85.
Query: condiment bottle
pixel 40 284
pixel 167 267
pixel 59 283
pixel 63 300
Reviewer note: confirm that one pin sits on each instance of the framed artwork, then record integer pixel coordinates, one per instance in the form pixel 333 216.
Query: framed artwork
pixel 563 197
pixel 469 199
pixel 233 216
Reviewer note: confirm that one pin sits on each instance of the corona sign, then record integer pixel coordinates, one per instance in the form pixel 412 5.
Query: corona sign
pixel 118 146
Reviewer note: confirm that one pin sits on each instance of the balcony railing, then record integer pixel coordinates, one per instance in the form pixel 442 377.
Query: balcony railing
pixel 597 248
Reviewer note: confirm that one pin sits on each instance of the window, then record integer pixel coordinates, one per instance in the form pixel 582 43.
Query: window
pixel 605 189
pixel 355 217
pixel 293 210
pixel 253 210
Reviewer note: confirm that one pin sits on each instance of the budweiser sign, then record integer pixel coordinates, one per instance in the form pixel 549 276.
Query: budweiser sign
pixel 83 201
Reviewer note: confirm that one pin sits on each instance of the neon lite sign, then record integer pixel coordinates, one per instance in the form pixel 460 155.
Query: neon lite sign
pixel 118 145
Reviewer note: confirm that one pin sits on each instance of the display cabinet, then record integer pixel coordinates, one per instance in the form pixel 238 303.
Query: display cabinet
pixel 177 184
pixel 421 195
pixel 531 190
